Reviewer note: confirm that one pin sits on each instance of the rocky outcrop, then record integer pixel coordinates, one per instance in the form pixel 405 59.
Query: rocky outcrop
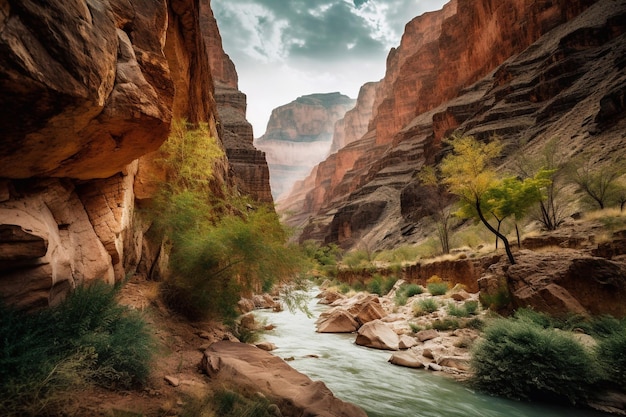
pixel 94 86
pixel 299 135
pixel 526 71
pixel 249 166
pixel 254 369
pixel 560 283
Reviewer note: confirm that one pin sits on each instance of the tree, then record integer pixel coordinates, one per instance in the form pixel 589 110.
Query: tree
pixel 600 184
pixel 220 245
pixel 437 204
pixel 552 208
pixel 513 197
pixel 468 174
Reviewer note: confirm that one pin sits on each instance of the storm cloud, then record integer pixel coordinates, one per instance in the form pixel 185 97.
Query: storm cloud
pixel 287 48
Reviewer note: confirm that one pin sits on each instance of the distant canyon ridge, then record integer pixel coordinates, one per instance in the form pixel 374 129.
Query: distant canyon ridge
pixel 299 135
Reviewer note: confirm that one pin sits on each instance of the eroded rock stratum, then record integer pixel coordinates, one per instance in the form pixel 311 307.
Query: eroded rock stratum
pixel 89 88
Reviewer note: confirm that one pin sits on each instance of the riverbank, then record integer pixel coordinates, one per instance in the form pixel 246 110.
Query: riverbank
pixel 363 375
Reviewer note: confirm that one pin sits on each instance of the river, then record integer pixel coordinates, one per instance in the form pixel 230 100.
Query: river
pixel 364 377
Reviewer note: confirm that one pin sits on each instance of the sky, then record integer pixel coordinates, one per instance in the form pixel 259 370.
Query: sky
pixel 284 49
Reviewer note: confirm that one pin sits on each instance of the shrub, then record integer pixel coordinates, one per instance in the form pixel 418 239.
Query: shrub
pixel 380 285
pixel 87 338
pixel 413 289
pixel 400 298
pixel 221 245
pixel 425 306
pixel 446 324
pixel 437 288
pixel 475 323
pixel 521 360
pixel 611 354
pixel 471 307
pixel 415 327
pixel 456 311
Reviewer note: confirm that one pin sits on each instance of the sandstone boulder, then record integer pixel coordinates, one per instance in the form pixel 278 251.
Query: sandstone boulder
pixel 367 309
pixel 376 334
pixel 425 335
pixel 406 342
pixel 337 321
pixel 329 297
pixel 407 359
pixel 294 393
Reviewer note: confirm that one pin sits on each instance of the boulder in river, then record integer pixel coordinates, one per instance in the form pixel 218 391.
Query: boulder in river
pixel 293 392
pixel 378 335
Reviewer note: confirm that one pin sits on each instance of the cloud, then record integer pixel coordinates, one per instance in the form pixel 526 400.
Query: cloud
pixel 284 49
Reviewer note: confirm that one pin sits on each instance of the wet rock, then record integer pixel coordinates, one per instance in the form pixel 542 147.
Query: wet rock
pixel 376 334
pixel 254 369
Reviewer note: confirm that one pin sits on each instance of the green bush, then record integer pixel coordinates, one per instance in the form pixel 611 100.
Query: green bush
pixel 611 352
pixel 225 402
pixel 425 306
pixel 521 360
pixel 471 307
pixel 87 338
pixel 446 324
pixel 456 311
pixel 413 289
pixel 437 288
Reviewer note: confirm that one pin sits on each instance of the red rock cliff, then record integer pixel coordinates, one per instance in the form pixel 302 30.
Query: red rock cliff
pixel 87 88
pixel 442 78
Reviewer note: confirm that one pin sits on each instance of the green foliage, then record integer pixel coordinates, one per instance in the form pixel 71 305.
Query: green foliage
pixel 498 300
pixel 87 338
pixel 220 248
pixel 552 208
pixel 226 402
pixel 437 288
pixel 446 324
pixel 469 175
pixel 475 323
pixel 468 308
pixel 380 285
pixel 407 291
pixel 425 306
pixel 600 184
pixel 413 289
pixel 611 352
pixel 357 258
pixel 521 360
pixel 327 255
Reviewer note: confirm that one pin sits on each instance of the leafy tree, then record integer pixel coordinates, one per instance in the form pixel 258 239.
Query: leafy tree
pixel 600 184
pixel 437 204
pixel 513 197
pixel 221 245
pixel 552 207
pixel 468 174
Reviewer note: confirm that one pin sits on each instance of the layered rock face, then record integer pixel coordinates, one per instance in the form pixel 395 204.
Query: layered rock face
pixel 299 135
pixel 347 130
pixel 526 71
pixel 88 87
pixel 248 164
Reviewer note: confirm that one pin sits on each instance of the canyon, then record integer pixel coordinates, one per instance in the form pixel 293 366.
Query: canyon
pixel 527 72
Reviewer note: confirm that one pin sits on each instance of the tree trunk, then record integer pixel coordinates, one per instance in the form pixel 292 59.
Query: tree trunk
pixel 507 247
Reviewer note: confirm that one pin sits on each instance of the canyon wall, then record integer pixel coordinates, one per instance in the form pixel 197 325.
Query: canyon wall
pixel 89 90
pixel 527 71
pixel 299 135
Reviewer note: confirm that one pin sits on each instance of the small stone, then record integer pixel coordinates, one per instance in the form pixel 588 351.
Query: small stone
pixel 425 335
pixel 267 346
pixel 434 367
pixel 173 381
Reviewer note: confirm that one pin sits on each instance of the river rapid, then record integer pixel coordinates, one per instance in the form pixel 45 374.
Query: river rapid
pixel 364 377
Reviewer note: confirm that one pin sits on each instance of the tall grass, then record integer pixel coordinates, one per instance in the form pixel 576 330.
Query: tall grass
pixel 89 338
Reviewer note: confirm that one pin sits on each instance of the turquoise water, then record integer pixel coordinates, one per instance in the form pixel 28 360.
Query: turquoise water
pixel 364 377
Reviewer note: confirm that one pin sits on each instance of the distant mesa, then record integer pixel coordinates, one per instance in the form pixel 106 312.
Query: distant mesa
pixel 299 135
